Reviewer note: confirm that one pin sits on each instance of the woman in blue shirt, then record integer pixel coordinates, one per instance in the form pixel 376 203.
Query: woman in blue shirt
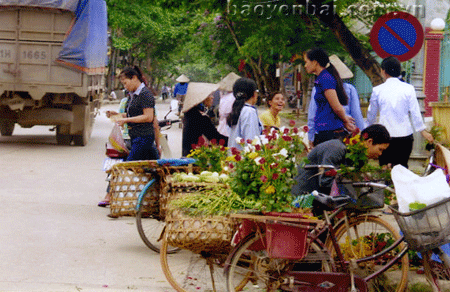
pixel 243 120
pixel 331 120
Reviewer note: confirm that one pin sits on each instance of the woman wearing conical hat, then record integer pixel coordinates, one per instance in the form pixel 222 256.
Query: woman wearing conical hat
pixel 196 123
pixel 180 90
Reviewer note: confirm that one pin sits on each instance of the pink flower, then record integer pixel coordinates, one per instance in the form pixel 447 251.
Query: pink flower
pixel 242 141
pixel 235 151
pixel 263 178
pixel 283 170
pixel 291 123
pixel 275 176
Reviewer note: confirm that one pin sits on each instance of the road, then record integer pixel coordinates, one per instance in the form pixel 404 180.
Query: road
pixel 53 235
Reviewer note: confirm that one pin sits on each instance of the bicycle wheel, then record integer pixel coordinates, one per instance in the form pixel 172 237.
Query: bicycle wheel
pixel 367 235
pixel 253 270
pixel 437 273
pixel 148 222
pixel 188 272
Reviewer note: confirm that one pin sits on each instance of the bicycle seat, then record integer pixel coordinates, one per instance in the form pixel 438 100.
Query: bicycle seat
pixel 329 203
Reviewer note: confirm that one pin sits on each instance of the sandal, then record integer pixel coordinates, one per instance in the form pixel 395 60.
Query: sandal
pixel 103 204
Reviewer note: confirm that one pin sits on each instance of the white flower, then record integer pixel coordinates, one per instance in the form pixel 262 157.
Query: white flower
pixel 283 152
pixel 238 140
pixel 256 141
pixel 282 129
pixel 263 139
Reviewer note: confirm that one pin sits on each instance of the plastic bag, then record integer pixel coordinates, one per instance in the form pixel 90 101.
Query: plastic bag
pixel 116 139
pixel 410 188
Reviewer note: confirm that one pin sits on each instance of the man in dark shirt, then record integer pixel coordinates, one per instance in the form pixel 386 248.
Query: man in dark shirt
pixel 333 152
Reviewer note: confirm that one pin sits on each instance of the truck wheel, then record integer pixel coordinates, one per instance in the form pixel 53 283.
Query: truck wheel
pixel 6 127
pixel 81 140
pixel 62 138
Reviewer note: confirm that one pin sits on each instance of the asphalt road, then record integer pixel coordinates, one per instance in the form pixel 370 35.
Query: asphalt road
pixel 53 235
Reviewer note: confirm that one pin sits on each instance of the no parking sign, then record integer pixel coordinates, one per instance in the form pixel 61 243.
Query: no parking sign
pixel 397 34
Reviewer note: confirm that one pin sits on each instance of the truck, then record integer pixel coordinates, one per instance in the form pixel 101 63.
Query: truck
pixel 53 58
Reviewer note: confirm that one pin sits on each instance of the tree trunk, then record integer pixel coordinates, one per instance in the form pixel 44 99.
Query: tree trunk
pixel 361 56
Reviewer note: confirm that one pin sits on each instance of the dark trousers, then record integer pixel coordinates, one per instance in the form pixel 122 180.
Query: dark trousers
pixel 323 136
pixel 143 148
pixel 398 152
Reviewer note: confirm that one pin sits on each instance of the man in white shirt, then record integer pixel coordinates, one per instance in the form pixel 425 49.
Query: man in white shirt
pixel 396 103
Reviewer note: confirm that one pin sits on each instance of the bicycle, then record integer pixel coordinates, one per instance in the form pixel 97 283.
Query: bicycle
pixel 150 222
pixel 348 249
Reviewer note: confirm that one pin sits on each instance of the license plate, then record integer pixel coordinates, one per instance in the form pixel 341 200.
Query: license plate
pixel 109 162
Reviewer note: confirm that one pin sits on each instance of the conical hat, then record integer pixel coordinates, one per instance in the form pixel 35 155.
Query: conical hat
pixel 196 93
pixel 227 83
pixel 343 70
pixel 182 78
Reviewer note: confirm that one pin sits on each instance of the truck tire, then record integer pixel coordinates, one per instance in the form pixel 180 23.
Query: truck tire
pixel 85 119
pixel 62 137
pixel 6 127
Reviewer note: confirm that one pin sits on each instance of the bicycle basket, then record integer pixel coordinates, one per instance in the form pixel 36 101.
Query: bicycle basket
pixel 426 228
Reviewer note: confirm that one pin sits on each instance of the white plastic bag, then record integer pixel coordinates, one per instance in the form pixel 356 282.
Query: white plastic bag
pixel 410 188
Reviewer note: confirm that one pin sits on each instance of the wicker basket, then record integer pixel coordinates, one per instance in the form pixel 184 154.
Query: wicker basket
pixel 127 179
pixel 442 157
pixel 426 228
pixel 210 234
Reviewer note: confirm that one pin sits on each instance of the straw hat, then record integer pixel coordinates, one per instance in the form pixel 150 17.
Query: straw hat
pixel 183 78
pixel 227 83
pixel 196 93
pixel 343 70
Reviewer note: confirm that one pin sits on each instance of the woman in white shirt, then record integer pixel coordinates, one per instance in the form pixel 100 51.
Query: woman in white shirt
pixel 243 120
pixel 396 103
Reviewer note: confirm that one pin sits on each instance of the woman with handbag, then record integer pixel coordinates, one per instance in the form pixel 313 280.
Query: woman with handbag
pixel 140 118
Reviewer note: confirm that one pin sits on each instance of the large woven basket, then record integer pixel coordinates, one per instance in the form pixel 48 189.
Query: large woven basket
pixel 129 178
pixel 442 157
pixel 211 234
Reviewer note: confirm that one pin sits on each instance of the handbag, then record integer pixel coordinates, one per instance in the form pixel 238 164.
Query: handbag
pixel 116 139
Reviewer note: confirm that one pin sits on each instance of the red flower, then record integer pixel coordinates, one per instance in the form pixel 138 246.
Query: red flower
pixel 242 141
pixel 213 141
pixel 262 160
pixel 365 136
pixel 283 170
pixel 295 130
pixel 222 148
pixel 231 165
pixel 291 123
pixel 274 165
pixel 249 141
pixel 201 141
pixel 275 176
pixel 287 138
pixel 286 131
pixel 235 151
pixel 258 147
pixel 265 132
pixel 355 132
pixel 331 172
pixel 238 157
pixel 305 129
pixel 194 146
pixel 346 140
pixel 263 178
pixel 221 142
pixel 354 142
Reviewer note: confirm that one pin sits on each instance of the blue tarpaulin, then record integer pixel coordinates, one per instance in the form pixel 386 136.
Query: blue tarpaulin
pixel 85 47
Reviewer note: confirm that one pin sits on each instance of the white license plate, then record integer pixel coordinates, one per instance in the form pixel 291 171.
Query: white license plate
pixel 109 162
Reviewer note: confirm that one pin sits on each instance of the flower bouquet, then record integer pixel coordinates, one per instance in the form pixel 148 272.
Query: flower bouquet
pixel 209 156
pixel 264 170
